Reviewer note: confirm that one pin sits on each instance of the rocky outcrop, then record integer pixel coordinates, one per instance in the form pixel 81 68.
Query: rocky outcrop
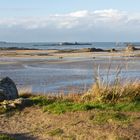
pixel 8 90
pixel 92 50
pixel 81 50
pixel 130 48
pixel 112 50
pixel 12 104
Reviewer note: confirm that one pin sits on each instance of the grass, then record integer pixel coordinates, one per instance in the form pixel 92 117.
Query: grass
pixel 56 132
pixel 42 100
pixel 2 110
pixel 5 137
pixel 111 116
pixel 112 137
pixel 58 105
pixel 115 97
pixel 102 97
pixel 112 104
pixel 113 93
pixel 67 103
pixel 62 107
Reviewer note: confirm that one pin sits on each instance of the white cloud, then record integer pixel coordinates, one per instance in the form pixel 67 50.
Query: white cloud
pixel 102 18
pixel 106 24
pixel 79 14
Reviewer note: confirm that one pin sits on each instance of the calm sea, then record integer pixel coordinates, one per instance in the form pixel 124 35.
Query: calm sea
pixel 54 45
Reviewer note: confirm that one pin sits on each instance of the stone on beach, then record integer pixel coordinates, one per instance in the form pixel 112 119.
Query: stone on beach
pixel 8 89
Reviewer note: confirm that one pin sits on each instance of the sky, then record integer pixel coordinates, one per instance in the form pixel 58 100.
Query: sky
pixel 69 20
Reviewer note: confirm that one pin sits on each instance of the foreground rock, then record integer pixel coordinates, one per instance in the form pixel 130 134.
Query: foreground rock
pixel 8 89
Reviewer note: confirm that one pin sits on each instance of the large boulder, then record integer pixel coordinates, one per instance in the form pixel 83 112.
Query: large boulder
pixel 8 90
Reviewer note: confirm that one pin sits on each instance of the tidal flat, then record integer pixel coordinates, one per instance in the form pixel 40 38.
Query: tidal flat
pixel 52 71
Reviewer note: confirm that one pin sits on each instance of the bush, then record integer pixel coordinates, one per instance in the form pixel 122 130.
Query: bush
pixel 5 137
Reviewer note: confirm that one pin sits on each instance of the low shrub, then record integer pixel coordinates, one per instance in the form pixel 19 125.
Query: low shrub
pixel 5 137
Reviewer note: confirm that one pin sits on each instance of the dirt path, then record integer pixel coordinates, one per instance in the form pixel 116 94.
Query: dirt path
pixel 31 123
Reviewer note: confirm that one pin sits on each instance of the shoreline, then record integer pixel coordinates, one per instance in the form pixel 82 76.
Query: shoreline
pixel 87 49
pixel 60 54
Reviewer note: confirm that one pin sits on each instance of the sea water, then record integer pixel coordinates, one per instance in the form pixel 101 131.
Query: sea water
pixel 55 45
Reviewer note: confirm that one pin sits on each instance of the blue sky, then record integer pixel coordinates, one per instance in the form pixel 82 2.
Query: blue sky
pixel 46 7
pixel 69 20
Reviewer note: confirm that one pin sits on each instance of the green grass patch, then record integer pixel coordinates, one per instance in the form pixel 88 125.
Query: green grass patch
pixel 2 110
pixel 70 137
pixel 110 116
pixel 133 106
pixel 59 107
pixel 64 106
pixel 42 100
pixel 105 97
pixel 5 137
pixel 56 132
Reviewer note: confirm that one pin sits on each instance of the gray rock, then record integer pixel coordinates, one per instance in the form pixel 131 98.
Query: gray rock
pixel 8 90
pixel 113 50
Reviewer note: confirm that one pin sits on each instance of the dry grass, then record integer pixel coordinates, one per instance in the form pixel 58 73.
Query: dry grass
pixel 112 90
pixel 114 93
pixel 25 90
pixel 100 92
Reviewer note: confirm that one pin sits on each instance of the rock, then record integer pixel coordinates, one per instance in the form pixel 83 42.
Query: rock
pixel 96 50
pixel 92 50
pixel 23 102
pixel 113 50
pixel 8 90
pixel 12 104
pixel 130 47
